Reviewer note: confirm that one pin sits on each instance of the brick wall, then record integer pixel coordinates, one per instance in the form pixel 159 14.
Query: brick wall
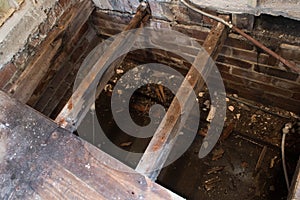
pixel 246 70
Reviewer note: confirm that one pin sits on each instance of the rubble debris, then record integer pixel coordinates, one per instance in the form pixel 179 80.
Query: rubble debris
pixel 215 170
pixel 120 71
pixel 126 144
pixel 217 154
pixel 231 108
pixel 272 163
pixel 227 131
pixel 261 158
pixel 211 114
pixel 203 132
pixel 211 183
pixel 201 94
pixel 108 88
pixel 244 165
pixel 207 104
pixel 253 118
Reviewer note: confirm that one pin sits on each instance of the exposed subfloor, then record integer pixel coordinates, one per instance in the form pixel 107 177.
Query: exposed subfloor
pixel 231 171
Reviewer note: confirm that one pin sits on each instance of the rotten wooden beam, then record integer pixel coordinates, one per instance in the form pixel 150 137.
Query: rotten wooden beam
pixel 52 163
pixel 83 97
pixel 164 138
pixel 38 67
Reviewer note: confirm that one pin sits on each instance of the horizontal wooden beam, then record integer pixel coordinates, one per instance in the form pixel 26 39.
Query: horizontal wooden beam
pixel 82 98
pixel 160 146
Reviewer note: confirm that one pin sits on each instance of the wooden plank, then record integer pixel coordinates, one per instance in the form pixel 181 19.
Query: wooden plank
pixel 73 35
pixel 29 79
pixel 48 162
pixel 38 67
pixel 160 146
pixel 82 98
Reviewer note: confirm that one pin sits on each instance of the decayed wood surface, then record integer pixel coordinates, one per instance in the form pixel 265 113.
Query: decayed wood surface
pixel 39 160
pixel 82 98
pixel 38 67
pixel 161 144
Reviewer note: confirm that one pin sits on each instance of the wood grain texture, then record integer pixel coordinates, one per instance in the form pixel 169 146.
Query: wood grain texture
pixel 83 96
pixel 39 160
pixel 165 136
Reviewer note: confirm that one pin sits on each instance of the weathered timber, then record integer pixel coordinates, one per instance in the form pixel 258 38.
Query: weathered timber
pixel 164 138
pixel 71 35
pixel 37 69
pixel 82 98
pixel 39 160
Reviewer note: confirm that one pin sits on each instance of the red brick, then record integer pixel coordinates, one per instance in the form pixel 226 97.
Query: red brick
pixel 191 32
pixel 243 91
pixel 234 61
pixel 226 51
pixel 296 96
pixel 245 55
pixel 236 43
pixel 251 75
pixel 276 72
pixel 284 103
pixel 223 68
pixel 288 85
pixel 235 79
pixel 6 73
pixel 270 89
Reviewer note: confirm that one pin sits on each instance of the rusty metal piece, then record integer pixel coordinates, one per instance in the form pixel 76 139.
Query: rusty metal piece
pixel 287 63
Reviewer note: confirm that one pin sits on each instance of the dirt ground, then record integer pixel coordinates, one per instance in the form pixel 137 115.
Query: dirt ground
pixel 245 163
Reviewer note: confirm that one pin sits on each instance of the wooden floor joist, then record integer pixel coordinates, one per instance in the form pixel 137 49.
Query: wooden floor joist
pixel 39 160
pixel 82 98
pixel 160 146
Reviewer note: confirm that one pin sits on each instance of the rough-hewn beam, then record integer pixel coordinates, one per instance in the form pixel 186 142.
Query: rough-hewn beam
pixel 160 146
pixel 82 98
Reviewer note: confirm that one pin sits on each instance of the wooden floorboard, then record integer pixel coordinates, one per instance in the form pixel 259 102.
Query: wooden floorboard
pixel 38 159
